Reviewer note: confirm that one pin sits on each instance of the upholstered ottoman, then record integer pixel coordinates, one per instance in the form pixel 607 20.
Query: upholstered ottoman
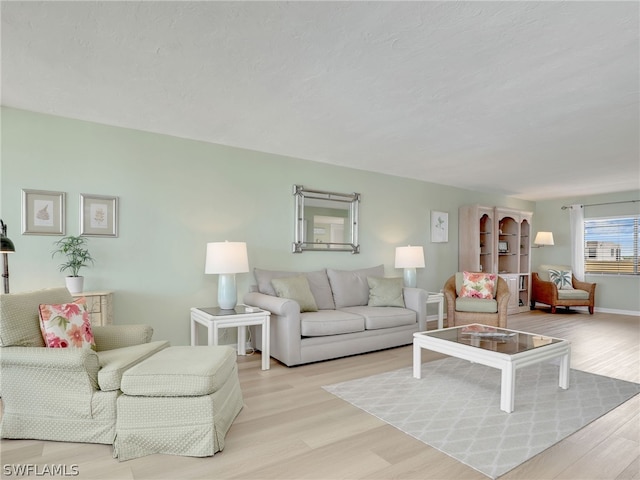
pixel 180 401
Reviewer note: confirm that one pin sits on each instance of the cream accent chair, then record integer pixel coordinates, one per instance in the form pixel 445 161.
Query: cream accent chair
pixel 62 394
pixel 463 311
pixel 545 291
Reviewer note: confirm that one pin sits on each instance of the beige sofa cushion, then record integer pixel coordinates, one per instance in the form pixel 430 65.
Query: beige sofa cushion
pixel 477 305
pixel 573 294
pixel 113 363
pixel 350 287
pixel 384 317
pixel 330 322
pixel 181 372
pixel 318 283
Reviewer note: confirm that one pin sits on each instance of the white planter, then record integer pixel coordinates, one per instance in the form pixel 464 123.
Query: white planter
pixel 74 284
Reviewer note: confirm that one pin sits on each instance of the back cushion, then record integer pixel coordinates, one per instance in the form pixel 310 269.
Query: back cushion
pixel 19 319
pixel 350 287
pixel 543 271
pixel 318 283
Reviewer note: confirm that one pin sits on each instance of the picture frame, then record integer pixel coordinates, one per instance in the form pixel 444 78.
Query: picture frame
pixel 98 215
pixel 503 246
pixel 43 212
pixel 439 227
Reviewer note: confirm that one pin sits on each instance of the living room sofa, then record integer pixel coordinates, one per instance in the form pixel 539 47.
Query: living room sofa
pixel 348 320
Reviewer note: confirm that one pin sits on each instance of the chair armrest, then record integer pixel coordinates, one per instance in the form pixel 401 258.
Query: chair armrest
pixel 450 295
pixel 543 291
pixel 416 299
pixel 64 369
pixel 586 286
pixel 117 336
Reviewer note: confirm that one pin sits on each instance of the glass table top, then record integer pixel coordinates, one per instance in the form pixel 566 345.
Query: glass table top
pixel 492 338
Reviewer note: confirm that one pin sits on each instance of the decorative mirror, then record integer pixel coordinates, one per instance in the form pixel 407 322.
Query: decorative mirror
pixel 325 221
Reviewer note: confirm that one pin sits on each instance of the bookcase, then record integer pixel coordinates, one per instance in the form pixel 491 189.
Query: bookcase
pixel 497 240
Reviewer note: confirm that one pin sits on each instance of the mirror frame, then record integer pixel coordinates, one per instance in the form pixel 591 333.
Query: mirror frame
pixel 300 244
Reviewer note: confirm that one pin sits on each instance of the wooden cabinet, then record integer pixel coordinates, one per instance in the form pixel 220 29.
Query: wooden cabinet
pixel 497 240
pixel 100 306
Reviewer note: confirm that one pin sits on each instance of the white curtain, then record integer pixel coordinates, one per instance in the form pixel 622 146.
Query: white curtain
pixel 576 218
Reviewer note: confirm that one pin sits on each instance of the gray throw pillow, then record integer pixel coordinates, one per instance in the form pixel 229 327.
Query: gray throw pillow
pixel 318 283
pixel 296 288
pixel 385 292
pixel 350 287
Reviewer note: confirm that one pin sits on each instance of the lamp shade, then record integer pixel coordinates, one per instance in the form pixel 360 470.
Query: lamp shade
pixel 6 245
pixel 409 257
pixel 226 257
pixel 544 238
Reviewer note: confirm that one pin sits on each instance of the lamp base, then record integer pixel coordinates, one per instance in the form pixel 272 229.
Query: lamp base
pixel 227 293
pixel 410 279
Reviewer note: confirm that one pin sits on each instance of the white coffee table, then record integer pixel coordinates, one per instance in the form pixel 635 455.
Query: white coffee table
pixel 506 350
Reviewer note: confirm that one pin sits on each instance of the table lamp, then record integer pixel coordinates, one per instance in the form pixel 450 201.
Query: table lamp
pixel 6 246
pixel 542 239
pixel 226 259
pixel 409 258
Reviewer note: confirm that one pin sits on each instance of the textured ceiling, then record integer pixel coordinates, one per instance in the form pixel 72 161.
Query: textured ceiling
pixel 530 99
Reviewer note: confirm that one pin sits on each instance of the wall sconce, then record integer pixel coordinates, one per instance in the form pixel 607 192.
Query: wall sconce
pixel 542 239
pixel 409 258
pixel 6 246
pixel 227 259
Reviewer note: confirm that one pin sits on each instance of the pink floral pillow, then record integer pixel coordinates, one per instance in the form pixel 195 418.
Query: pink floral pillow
pixel 478 285
pixel 66 325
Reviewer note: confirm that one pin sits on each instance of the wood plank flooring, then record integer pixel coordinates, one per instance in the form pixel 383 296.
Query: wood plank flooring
pixel 290 428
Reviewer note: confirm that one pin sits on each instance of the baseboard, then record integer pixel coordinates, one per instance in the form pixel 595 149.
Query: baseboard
pixel 615 311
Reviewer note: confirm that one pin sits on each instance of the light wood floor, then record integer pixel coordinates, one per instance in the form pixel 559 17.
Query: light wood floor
pixel 290 428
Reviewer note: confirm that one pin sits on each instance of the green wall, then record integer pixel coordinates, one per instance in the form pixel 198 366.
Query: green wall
pixel 176 195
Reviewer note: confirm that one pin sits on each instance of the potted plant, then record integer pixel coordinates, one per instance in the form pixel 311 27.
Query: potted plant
pixel 74 249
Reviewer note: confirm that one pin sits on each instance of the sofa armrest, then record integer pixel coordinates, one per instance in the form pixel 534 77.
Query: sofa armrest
pixel 416 299
pixel 60 369
pixel 586 286
pixel 275 305
pixel 110 337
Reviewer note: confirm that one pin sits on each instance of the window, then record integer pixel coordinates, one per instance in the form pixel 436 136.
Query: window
pixel 611 245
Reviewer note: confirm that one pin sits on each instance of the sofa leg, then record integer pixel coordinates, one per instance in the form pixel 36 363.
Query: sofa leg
pixel 553 309
pixel 591 310
pixel 532 306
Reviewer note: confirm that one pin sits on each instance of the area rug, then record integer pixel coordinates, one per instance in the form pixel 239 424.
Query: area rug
pixel 455 408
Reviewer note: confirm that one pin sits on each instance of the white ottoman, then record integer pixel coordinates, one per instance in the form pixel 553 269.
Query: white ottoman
pixel 180 401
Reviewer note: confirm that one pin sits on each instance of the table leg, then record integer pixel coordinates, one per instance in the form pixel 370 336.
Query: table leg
pixel 194 333
pixel 565 361
pixel 508 388
pixel 417 360
pixel 242 340
pixel 266 357
pixel 213 335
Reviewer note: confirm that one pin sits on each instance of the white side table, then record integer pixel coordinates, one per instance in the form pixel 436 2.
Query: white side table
pixel 214 318
pixel 437 297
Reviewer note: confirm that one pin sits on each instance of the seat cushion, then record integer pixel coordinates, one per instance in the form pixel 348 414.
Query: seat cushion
pixel 383 317
pixel 476 305
pixel 573 294
pixel 113 363
pixel 330 322
pixel 180 372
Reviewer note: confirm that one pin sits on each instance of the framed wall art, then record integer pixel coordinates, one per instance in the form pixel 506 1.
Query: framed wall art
pixel 43 212
pixel 439 227
pixel 98 215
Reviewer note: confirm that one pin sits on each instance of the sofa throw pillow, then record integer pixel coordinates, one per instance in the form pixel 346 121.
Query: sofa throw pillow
pixel 561 278
pixel 478 285
pixel 318 283
pixel 350 287
pixel 296 288
pixel 385 292
pixel 66 325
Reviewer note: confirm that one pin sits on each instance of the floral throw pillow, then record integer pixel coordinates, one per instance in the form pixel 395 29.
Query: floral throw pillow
pixel 66 325
pixel 562 279
pixel 478 285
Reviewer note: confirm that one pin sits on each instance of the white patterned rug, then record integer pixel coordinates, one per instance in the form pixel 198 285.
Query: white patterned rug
pixel 455 408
